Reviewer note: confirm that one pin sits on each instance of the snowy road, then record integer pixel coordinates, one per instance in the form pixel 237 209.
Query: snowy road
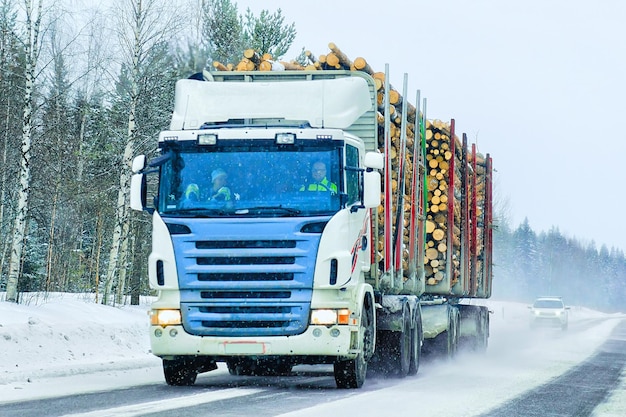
pixel 578 391
pixel 523 373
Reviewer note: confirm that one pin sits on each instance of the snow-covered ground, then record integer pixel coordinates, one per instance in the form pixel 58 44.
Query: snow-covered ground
pixel 67 343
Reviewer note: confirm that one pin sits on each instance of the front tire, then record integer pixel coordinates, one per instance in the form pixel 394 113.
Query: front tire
pixel 351 373
pixel 179 372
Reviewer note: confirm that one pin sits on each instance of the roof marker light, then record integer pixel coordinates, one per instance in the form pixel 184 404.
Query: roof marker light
pixel 285 138
pixel 207 139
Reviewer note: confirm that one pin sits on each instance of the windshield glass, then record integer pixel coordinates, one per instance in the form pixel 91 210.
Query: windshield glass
pixel 250 181
pixel 548 304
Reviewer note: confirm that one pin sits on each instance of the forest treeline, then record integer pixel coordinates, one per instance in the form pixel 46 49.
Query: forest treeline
pixel 85 90
pixel 528 264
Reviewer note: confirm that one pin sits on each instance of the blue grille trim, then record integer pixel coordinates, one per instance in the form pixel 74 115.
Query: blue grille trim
pixel 229 284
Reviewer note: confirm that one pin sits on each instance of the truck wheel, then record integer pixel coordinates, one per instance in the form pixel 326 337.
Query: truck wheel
pixel 446 343
pixel 351 373
pixel 416 344
pixel 404 345
pixel 453 335
pixel 482 340
pixel 241 366
pixel 273 367
pixel 179 372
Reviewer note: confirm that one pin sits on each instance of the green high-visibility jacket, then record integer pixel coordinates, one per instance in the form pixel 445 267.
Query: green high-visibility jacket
pixel 323 185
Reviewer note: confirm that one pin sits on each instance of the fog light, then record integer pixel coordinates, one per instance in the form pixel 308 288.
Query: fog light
pixel 334 332
pixel 317 332
pixel 173 332
pixel 158 332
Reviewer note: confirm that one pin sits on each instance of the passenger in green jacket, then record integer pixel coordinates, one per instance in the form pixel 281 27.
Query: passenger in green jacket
pixel 219 191
pixel 320 182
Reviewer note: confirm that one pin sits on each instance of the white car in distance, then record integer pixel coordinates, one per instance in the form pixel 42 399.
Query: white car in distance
pixel 549 311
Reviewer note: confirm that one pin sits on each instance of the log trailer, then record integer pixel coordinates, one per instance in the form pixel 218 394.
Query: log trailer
pixel 385 265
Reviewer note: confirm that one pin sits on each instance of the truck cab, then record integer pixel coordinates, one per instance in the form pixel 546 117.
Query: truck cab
pixel 262 229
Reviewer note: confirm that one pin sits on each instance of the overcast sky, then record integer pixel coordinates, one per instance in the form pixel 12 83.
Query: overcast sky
pixel 538 84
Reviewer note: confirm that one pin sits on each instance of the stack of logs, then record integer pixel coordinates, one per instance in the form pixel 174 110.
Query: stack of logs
pixel 439 192
pixel 437 162
pixel 481 220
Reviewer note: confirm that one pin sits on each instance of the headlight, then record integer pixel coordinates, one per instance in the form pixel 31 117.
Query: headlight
pixel 324 317
pixel 165 317
pixel 327 317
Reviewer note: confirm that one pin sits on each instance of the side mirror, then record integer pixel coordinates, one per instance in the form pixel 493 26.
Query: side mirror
pixel 374 160
pixel 371 189
pixel 139 163
pixel 138 192
pixel 138 184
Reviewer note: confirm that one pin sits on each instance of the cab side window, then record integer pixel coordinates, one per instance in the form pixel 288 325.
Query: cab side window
pixel 352 176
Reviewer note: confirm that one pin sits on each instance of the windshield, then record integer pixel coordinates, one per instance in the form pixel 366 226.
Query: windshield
pixel 250 181
pixel 548 304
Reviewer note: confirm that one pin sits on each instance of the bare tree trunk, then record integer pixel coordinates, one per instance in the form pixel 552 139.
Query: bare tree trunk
pixel 118 249
pixel 121 287
pixel 120 233
pixel 21 217
pixel 151 22
pixel 97 249
pixel 3 186
pixel 49 261
pixel 135 279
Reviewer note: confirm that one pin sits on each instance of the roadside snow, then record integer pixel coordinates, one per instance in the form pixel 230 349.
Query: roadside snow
pixel 69 336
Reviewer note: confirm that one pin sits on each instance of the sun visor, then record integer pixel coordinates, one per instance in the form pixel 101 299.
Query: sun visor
pixel 331 103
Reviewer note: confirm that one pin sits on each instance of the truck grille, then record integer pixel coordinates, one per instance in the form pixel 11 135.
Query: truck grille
pixel 249 279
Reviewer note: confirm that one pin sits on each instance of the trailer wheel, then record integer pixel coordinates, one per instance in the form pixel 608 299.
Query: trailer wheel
pixel 351 373
pixel 179 372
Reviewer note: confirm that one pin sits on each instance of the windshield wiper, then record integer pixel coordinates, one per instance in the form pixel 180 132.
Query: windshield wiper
pixel 269 209
pixel 199 212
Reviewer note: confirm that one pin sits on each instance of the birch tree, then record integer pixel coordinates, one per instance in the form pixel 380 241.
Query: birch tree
pixel 10 120
pixel 144 26
pixel 31 51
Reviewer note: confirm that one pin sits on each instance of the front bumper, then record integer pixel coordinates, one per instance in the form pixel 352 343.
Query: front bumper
pixel 548 320
pixel 336 341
